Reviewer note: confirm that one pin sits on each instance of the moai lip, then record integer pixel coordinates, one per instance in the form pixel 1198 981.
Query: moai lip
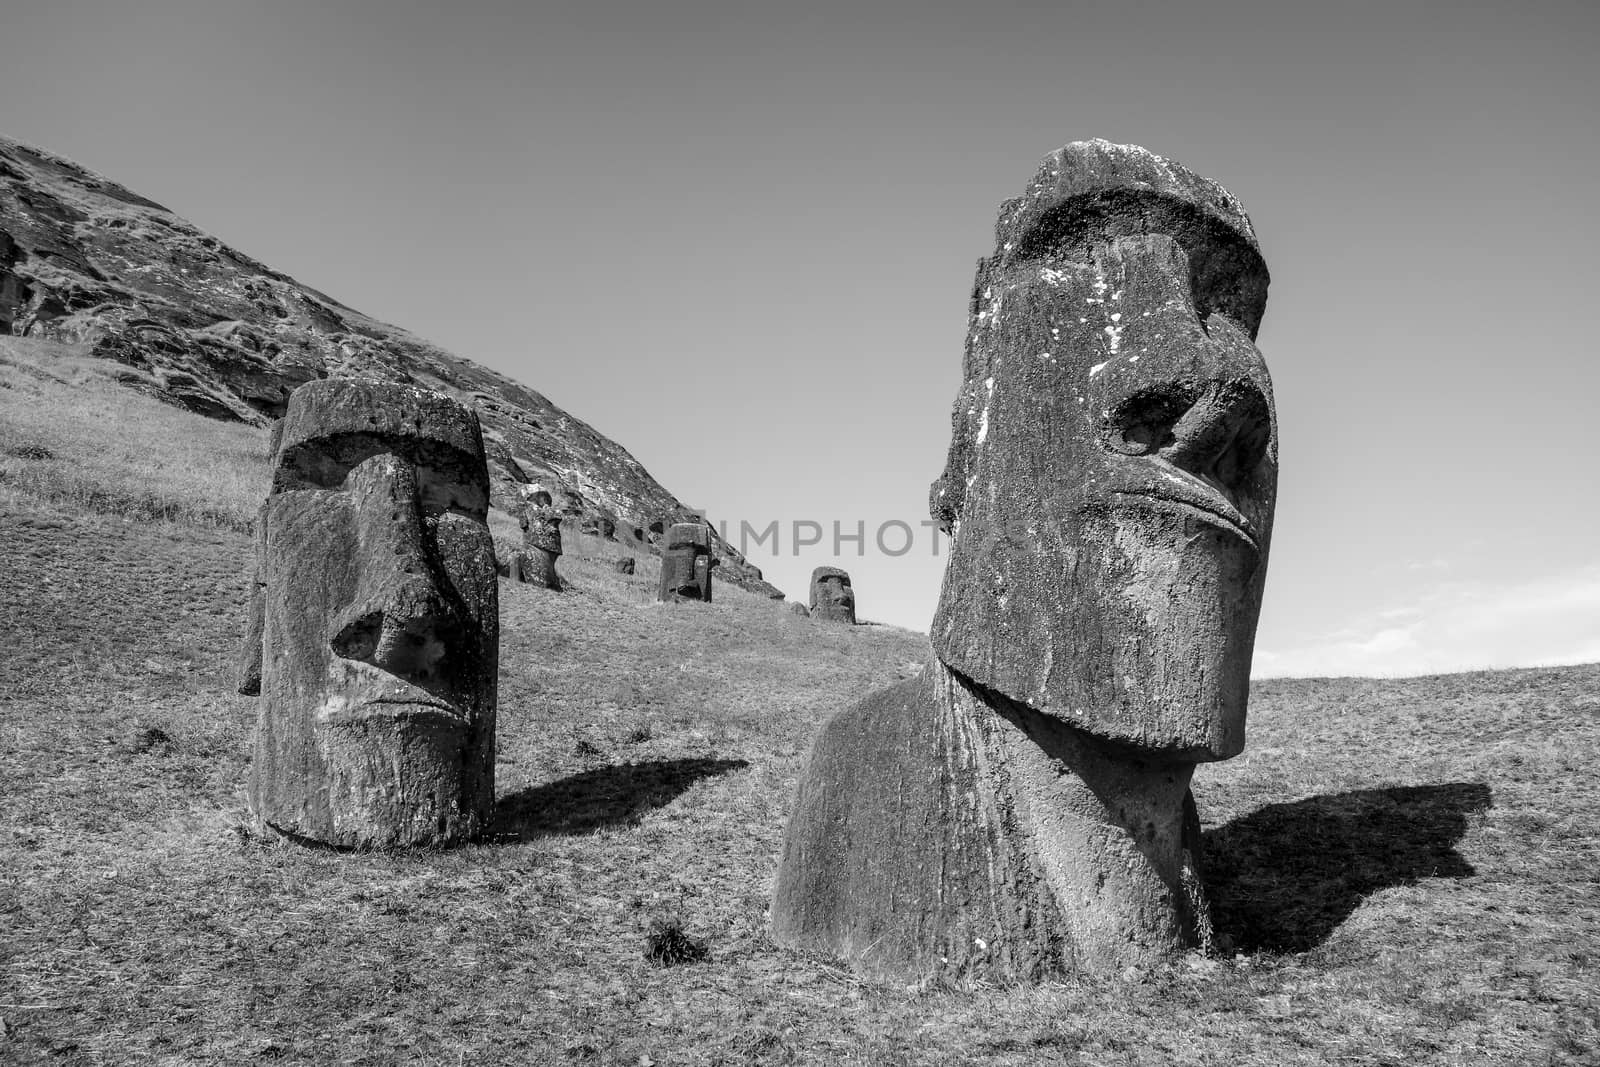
pixel 1021 809
pixel 832 596
pixel 686 563
pixel 373 638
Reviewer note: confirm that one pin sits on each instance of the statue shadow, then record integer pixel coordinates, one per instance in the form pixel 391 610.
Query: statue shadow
pixel 617 795
pixel 1283 878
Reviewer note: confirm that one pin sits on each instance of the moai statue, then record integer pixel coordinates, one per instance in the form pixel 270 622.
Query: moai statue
pixel 624 565
pixel 832 598
pixel 686 563
pixel 373 635
pixel 800 610
pixel 1022 808
pixel 541 542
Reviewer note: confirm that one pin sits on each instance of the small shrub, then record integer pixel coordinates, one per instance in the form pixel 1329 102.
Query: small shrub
pixel 667 944
pixel 637 736
pixel 149 737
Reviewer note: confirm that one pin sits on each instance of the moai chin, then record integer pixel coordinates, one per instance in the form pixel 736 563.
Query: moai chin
pixel 1022 808
pixel 373 638
pixel 686 563
pixel 541 541
pixel 832 597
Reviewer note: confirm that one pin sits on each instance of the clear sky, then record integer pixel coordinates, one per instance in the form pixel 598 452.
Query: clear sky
pixel 738 238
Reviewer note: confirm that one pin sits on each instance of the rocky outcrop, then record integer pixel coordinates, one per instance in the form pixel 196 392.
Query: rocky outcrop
pixel 85 261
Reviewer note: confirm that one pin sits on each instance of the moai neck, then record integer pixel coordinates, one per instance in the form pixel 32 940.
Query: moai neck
pixel 1111 830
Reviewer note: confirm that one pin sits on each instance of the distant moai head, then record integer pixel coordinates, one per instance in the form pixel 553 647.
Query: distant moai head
pixel 832 598
pixel 1113 468
pixel 540 522
pixel 686 563
pixel 375 629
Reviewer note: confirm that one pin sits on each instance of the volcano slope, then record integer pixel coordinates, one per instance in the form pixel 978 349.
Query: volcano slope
pixel 191 321
pixel 1403 871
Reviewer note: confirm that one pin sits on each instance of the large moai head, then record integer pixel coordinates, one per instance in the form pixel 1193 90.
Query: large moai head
pixel 1113 468
pixel 832 597
pixel 376 622
pixel 686 562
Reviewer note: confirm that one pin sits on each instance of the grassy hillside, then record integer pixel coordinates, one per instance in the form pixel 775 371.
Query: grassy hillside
pixel 1405 871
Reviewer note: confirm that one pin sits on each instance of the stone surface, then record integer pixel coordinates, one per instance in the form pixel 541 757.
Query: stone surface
pixel 541 541
pixel 686 563
pixel 1021 809
pixel 800 610
pixel 373 633
pixel 625 565
pixel 201 325
pixel 926 834
pixel 832 597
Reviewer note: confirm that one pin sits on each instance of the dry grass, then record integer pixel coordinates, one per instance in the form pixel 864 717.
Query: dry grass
pixel 73 434
pixel 1407 870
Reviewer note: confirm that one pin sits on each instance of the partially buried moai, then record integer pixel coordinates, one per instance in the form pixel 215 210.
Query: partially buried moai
pixel 686 563
pixel 832 597
pixel 373 638
pixel 1022 808
pixel 541 541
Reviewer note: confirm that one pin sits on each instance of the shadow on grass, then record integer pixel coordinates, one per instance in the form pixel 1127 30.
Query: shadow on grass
pixel 1283 878
pixel 620 794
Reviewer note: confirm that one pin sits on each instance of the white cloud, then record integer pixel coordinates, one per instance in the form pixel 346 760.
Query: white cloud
pixel 1456 626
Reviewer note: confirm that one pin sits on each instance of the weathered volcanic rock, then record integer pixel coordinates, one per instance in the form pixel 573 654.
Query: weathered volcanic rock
pixel 625 565
pixel 541 541
pixel 686 563
pixel 832 597
pixel 1113 455
pixel 1021 809
pixel 925 839
pixel 201 325
pixel 373 634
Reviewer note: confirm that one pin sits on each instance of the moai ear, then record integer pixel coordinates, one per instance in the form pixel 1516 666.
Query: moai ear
pixel 249 661
pixel 948 492
pixel 247 665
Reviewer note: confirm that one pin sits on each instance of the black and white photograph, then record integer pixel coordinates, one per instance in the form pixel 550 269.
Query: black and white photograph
pixel 704 533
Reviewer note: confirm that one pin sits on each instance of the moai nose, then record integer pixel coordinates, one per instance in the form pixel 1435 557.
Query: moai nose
pixel 1194 391
pixel 1217 431
pixel 1223 436
pixel 399 619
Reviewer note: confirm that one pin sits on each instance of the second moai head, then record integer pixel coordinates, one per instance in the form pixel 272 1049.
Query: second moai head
pixel 686 563
pixel 832 597
pixel 374 626
pixel 541 540
pixel 1113 468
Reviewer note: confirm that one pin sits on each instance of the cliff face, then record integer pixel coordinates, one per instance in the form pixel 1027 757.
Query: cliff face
pixel 85 261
